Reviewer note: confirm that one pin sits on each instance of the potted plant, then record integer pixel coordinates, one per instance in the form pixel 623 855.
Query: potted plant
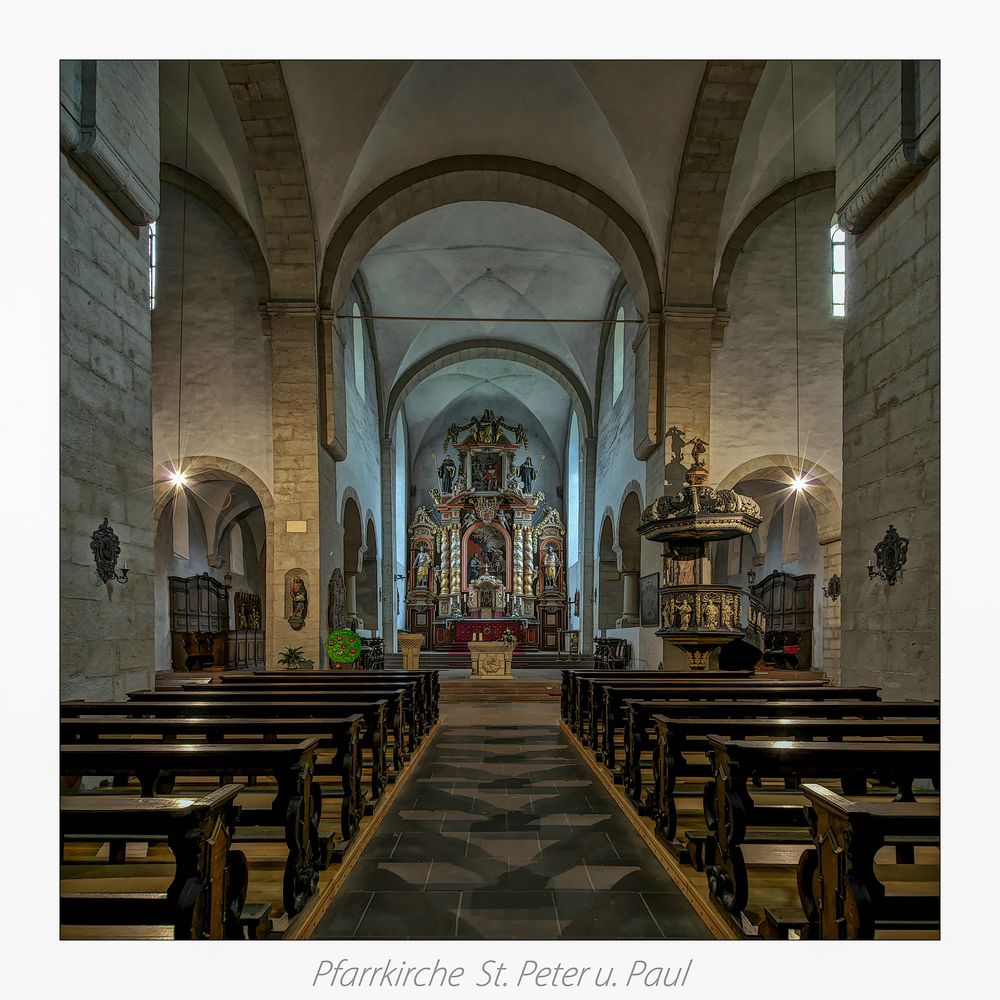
pixel 292 658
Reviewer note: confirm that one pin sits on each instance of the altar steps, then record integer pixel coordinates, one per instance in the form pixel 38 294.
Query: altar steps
pixel 522 661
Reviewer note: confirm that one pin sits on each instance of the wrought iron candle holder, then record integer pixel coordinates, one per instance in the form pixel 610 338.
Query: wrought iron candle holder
pixel 832 589
pixel 106 548
pixel 890 556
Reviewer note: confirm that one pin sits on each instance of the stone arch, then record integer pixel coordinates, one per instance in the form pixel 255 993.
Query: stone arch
pixel 727 88
pixel 368 582
pixel 609 584
pixel 470 350
pixel 265 109
pixel 184 181
pixel 606 328
pixel 352 541
pixel 490 178
pixel 204 468
pixel 823 493
pixel 822 180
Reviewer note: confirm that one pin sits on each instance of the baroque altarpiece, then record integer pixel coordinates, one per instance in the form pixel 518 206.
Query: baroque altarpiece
pixel 490 555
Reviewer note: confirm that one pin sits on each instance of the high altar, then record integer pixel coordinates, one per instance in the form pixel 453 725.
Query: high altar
pixel 484 561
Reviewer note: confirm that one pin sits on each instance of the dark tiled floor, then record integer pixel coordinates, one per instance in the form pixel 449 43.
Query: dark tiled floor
pixel 503 833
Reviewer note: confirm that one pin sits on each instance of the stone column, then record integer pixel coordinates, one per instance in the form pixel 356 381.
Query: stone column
pixel 630 600
pixel 518 560
pixel 587 574
pixel 688 377
pixel 388 568
pixel 456 561
pixel 294 416
pixel 831 612
pixel 351 593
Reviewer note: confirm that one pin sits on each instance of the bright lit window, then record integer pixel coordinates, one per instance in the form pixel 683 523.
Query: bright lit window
pixel 359 350
pixel 619 356
pixel 838 241
pixel 152 266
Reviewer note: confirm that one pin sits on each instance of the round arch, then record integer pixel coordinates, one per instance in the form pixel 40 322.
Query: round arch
pixel 475 350
pixel 823 494
pixel 489 177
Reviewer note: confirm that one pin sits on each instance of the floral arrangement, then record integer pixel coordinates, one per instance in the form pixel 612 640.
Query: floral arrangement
pixel 508 637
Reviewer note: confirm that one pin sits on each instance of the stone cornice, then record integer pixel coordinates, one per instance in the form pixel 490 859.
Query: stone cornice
pixel 897 169
pixel 278 308
pixel 98 156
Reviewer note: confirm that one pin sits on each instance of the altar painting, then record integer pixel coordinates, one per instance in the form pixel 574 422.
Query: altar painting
pixel 486 554
pixel 486 471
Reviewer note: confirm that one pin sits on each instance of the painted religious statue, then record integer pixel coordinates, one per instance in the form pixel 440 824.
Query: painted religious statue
pixel 552 564
pixel 446 473
pixel 299 598
pixel 527 473
pixel 422 567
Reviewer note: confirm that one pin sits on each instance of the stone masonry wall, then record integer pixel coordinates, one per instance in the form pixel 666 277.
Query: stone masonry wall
pixel 106 645
pixel 890 634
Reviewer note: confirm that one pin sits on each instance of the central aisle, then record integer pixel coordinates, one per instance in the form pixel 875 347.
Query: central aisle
pixel 502 832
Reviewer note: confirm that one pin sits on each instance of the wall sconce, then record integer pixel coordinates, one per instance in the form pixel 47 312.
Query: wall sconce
pixel 106 548
pixel 832 589
pixel 751 577
pixel 890 556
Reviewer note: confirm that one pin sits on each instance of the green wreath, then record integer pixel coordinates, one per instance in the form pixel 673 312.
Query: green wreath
pixel 343 646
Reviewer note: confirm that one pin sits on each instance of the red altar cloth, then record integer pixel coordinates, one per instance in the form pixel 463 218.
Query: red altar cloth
pixel 490 629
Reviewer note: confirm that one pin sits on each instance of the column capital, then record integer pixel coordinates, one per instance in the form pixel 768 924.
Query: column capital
pixel 281 308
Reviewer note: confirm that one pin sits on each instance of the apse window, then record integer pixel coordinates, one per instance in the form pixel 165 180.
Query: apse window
pixel 838 242
pixel 151 250
pixel 619 356
pixel 359 350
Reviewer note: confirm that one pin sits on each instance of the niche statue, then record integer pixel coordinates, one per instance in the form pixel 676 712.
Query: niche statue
pixel 299 598
pixel 527 473
pixel 446 473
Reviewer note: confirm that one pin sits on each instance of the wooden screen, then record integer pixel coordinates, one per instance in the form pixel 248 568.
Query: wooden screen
pixel 788 604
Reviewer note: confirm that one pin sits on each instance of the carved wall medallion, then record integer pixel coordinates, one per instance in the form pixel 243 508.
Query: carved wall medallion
pixel 106 548
pixel 832 589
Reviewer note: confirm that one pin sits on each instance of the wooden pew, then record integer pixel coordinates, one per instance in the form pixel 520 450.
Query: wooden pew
pixel 729 808
pixel 413 725
pixel 206 895
pixel 296 807
pixel 607 700
pixel 332 718
pixel 677 736
pixel 428 681
pixel 842 897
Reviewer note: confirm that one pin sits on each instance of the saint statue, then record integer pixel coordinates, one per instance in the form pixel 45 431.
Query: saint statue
pixel 551 568
pixel 422 566
pixel 446 473
pixel 698 448
pixel 299 600
pixel 475 568
pixel 527 473
pixel 684 613
pixel 711 615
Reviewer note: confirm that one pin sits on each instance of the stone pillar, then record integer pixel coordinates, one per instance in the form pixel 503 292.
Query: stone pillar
pixel 388 568
pixel 630 600
pixel 294 415
pixel 351 593
pixel 518 560
pixel 688 378
pixel 831 612
pixel 587 575
pixel 456 561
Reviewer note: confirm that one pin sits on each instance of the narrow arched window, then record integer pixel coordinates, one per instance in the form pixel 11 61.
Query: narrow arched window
pixel 838 282
pixel 359 350
pixel 619 354
pixel 151 246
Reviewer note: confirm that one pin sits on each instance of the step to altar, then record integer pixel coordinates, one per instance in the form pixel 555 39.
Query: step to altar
pixel 473 689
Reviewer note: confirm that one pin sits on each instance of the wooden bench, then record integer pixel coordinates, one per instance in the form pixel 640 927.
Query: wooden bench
pixel 607 700
pixel 206 895
pixel 677 736
pixel 373 711
pixel 404 711
pixel 296 807
pixel 842 897
pixel 729 809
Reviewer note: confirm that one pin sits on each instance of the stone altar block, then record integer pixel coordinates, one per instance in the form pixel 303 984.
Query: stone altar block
pixel 491 659
pixel 409 644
